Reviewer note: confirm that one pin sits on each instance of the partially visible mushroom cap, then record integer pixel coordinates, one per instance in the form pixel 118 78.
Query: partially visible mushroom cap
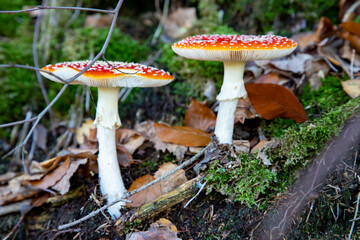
pixel 101 74
pixel 234 47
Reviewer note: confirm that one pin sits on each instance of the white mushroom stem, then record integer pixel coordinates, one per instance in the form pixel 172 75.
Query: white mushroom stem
pixel 232 89
pixel 107 120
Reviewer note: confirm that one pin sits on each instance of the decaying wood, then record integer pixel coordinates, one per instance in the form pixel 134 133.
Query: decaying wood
pixel 165 201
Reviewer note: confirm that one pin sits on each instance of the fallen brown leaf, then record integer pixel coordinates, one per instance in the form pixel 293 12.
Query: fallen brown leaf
pixel 63 185
pixel 148 130
pixel 85 131
pixel 241 146
pixel 145 196
pixel 268 78
pixel 186 136
pixel 272 101
pixel 305 40
pixel 171 182
pixel 124 157
pixel 260 146
pixel 244 110
pixel 53 177
pixel 324 30
pixel 40 200
pixel 352 87
pixel 352 38
pixel 199 116
pixel 351 27
pixel 130 139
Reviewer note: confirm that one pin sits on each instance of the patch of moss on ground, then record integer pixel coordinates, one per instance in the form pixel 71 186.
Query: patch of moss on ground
pixel 301 142
pixel 329 95
pixel 241 183
pixel 298 145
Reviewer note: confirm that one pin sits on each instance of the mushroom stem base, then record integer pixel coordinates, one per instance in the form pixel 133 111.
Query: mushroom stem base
pixel 225 121
pixel 111 183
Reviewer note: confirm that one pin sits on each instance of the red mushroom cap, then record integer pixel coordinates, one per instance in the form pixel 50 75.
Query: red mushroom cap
pixel 117 74
pixel 234 47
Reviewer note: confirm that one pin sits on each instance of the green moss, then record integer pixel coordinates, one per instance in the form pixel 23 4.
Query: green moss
pixel 329 95
pixel 82 42
pixel 13 21
pixel 301 142
pixel 240 183
pixel 298 145
pixel 131 226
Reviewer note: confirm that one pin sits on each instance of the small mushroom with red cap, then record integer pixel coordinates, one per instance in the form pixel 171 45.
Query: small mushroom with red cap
pixel 234 51
pixel 108 77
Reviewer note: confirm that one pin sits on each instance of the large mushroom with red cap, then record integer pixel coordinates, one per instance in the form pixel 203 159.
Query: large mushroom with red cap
pixel 234 51
pixel 108 77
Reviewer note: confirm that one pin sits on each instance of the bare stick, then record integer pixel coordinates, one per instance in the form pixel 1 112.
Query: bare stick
pixel 356 213
pixel 36 63
pixel 18 122
pixel 30 68
pixel 40 7
pixel 161 23
pixel 94 213
pixel 352 64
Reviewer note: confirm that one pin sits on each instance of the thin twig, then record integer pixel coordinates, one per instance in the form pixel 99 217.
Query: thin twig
pixel 354 220
pixel 161 23
pixel 18 122
pixel 94 213
pixel 36 63
pixel 10 65
pixel 352 64
pixel 40 7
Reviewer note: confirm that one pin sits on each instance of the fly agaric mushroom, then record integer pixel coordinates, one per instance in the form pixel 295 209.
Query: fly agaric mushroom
pixel 108 78
pixel 233 51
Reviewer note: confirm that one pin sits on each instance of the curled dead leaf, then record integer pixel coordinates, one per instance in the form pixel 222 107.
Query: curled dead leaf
pixel 86 130
pixel 53 177
pixel 272 101
pixel 352 87
pixel 244 110
pixel 199 116
pixel 63 185
pixel 147 129
pixel 145 196
pixel 173 181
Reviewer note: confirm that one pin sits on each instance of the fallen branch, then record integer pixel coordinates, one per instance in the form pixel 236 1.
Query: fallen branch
pixel 94 213
pixel 165 201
